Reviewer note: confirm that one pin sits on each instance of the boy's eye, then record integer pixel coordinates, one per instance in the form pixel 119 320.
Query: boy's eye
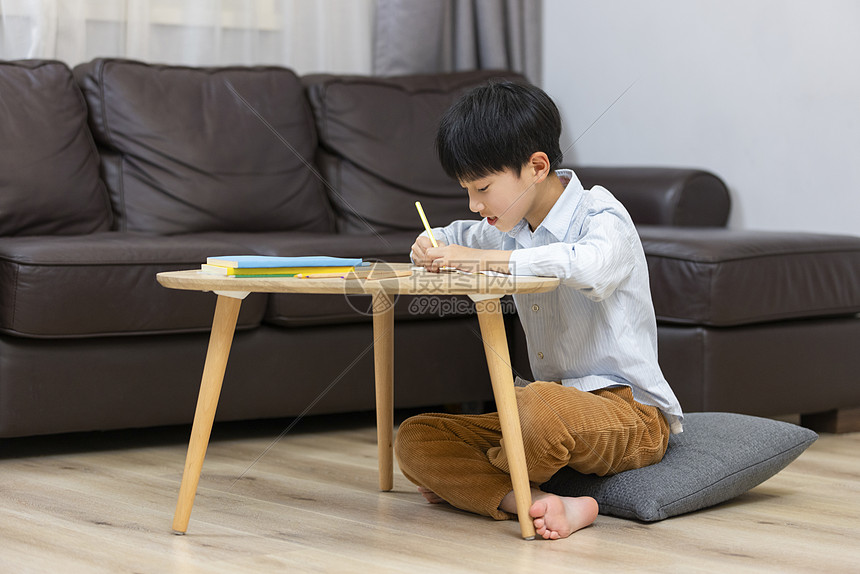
pixel 484 188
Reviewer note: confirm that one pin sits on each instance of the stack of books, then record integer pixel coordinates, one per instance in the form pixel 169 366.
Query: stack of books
pixel 266 266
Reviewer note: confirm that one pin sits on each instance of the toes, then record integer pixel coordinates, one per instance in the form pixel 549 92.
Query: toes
pixel 538 509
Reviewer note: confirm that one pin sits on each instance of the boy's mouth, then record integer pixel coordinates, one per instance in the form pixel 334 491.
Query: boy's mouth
pixel 492 220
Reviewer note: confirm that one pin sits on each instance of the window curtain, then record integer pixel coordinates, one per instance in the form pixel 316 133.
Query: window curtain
pixel 306 35
pixel 427 36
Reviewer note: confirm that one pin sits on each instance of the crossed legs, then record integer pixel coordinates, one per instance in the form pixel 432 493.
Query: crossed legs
pixel 461 459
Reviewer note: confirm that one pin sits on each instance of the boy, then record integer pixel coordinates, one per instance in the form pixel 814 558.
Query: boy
pixel 600 403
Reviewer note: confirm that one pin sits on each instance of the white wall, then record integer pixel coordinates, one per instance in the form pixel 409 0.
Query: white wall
pixel 764 93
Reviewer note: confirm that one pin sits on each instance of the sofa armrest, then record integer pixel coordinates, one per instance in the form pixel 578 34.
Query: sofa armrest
pixel 664 196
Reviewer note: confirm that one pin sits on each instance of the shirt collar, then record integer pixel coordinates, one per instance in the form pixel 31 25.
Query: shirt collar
pixel 557 221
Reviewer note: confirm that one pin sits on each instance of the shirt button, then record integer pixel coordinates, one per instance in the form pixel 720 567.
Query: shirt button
pixel 540 355
pixel 535 307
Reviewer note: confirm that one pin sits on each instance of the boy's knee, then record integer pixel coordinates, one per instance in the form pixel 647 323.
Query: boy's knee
pixel 542 424
pixel 534 403
pixel 405 434
pixel 409 440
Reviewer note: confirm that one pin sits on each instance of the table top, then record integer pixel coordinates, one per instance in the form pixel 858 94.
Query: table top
pixel 418 282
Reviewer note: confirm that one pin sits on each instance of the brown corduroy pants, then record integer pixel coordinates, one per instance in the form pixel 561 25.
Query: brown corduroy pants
pixel 462 457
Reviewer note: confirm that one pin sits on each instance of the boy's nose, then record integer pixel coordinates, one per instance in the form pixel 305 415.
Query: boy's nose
pixel 475 206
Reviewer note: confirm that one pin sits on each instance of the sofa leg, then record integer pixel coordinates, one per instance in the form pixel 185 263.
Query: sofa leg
pixel 835 421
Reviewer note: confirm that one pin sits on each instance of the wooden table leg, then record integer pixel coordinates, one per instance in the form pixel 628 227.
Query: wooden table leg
pixel 220 341
pixel 383 354
pixel 499 362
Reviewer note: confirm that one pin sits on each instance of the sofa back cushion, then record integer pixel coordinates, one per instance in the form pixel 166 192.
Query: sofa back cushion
pixel 191 149
pixel 377 151
pixel 49 167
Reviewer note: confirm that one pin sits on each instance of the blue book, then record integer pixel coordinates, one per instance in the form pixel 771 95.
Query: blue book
pixel 259 261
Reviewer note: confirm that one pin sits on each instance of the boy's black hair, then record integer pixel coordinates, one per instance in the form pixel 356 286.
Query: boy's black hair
pixel 498 126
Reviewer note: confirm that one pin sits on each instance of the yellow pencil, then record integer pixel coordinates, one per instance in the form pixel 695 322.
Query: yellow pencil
pixel 426 224
pixel 321 275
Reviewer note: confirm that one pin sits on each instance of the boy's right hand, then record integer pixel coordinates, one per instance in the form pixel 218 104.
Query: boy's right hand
pixel 419 250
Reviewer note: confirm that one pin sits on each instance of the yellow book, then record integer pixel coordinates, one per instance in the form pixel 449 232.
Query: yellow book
pixel 270 271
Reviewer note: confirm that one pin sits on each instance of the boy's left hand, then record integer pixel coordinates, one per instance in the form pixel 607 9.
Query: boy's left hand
pixel 468 259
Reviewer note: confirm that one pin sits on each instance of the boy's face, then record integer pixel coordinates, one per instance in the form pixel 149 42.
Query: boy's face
pixel 503 198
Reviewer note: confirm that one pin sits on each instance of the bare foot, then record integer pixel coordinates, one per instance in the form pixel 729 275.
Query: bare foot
pixel 431 496
pixel 560 516
pixel 555 516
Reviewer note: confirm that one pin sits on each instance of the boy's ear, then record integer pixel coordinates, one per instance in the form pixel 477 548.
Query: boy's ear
pixel 539 165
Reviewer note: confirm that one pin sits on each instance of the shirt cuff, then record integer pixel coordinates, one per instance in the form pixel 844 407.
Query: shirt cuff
pixel 438 234
pixel 520 263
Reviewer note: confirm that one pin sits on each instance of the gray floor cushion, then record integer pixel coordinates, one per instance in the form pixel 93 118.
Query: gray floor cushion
pixel 717 457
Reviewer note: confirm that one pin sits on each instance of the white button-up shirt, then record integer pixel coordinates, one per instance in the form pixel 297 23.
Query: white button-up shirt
pixel 598 329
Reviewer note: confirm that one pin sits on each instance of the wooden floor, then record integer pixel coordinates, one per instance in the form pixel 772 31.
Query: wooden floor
pixel 104 503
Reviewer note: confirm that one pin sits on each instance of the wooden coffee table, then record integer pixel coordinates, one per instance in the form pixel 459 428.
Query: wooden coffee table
pixel 485 290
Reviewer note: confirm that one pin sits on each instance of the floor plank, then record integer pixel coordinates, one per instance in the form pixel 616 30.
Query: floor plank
pixel 308 502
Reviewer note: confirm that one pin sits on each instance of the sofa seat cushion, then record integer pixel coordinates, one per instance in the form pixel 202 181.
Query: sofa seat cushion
pixel 376 141
pixel 49 167
pixel 104 284
pixel 298 310
pixel 724 277
pixel 205 149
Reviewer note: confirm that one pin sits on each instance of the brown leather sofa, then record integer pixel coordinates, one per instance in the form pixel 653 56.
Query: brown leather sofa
pixel 120 170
